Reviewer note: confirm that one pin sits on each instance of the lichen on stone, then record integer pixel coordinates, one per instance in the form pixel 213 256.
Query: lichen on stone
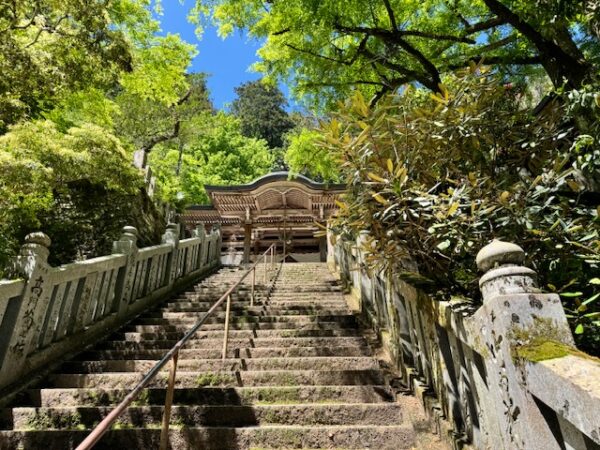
pixel 541 350
pixel 542 341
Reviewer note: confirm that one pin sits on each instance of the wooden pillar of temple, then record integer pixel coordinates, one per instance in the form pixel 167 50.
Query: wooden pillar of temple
pixel 323 247
pixel 247 242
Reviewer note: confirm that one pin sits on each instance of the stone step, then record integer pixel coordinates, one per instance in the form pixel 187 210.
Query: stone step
pixel 241 343
pixel 301 309
pixel 243 325
pixel 391 437
pixel 27 418
pixel 297 375
pixel 292 318
pixel 251 364
pixel 329 314
pixel 216 353
pixel 312 284
pixel 114 380
pixel 214 395
pixel 312 298
pixel 234 334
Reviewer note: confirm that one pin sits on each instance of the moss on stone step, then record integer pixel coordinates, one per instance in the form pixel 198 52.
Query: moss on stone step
pixel 214 379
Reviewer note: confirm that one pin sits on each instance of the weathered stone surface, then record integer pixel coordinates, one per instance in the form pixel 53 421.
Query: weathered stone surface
pixel 570 386
pixel 469 354
pixel 60 309
pixel 499 253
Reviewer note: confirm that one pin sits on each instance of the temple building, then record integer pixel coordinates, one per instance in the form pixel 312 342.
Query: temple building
pixel 276 208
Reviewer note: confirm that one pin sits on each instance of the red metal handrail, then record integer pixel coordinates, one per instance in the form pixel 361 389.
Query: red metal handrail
pixel 172 355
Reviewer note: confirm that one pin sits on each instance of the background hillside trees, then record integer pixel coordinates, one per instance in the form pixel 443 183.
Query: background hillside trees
pixel 212 151
pixel 261 111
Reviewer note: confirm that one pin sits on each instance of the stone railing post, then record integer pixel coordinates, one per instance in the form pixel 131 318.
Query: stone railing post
pixel 126 245
pixel 139 159
pixel 514 313
pixel 358 280
pixel 171 236
pixel 200 232
pixel 31 264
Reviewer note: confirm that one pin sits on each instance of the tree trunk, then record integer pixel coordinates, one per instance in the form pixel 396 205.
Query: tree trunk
pixel 560 57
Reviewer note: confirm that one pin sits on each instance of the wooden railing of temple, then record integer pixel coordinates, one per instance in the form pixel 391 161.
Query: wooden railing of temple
pixel 51 312
pixel 501 373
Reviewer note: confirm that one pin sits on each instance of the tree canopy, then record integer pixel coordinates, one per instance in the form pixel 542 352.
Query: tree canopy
pixel 214 152
pixel 328 47
pixel 75 78
pixel 262 114
pixel 49 48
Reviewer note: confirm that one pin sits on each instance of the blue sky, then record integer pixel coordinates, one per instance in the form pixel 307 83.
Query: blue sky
pixel 226 61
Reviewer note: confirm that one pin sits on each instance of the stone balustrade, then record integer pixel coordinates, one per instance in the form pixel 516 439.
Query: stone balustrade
pixel 503 374
pixel 54 311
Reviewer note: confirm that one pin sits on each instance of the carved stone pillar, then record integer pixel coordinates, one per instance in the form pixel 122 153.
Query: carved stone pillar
pixel 514 313
pixel 32 264
pixel 126 245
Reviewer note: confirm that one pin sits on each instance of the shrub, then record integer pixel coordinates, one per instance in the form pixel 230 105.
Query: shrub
pixel 435 177
pixel 78 187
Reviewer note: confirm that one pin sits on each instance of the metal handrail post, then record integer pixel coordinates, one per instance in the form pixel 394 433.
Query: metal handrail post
pixel 253 286
pixel 164 434
pixel 226 337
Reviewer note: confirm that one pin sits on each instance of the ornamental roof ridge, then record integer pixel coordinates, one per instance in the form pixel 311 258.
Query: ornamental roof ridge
pixel 274 177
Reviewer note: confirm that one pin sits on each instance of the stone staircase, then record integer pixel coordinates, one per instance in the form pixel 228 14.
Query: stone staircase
pixel 299 373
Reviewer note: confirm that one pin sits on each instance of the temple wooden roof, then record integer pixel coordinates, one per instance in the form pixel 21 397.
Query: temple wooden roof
pixel 269 200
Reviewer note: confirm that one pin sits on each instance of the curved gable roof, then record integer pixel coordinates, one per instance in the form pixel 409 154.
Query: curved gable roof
pixel 274 177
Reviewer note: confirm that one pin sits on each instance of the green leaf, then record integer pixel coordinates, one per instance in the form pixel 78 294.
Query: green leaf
pixel 571 294
pixel 579 329
pixel 443 245
pixel 592 299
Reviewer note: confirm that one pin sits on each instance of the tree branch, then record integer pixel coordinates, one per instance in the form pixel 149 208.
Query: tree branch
pixel 505 60
pixel 392 35
pixel 360 48
pixel 280 32
pixel 48 29
pixel 439 37
pixel 316 55
pixel 558 63
pixel 148 146
pixel 484 25
pixel 396 38
pixel 342 83
pixel 408 73
pixel 162 138
pixel 498 44
pixel 390 13
pixel 14 19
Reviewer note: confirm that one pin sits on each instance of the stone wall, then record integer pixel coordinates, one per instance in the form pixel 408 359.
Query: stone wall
pixel 503 374
pixel 51 312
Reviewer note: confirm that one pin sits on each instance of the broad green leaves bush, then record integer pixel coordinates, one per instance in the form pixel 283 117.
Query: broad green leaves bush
pixel 435 177
pixel 72 185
